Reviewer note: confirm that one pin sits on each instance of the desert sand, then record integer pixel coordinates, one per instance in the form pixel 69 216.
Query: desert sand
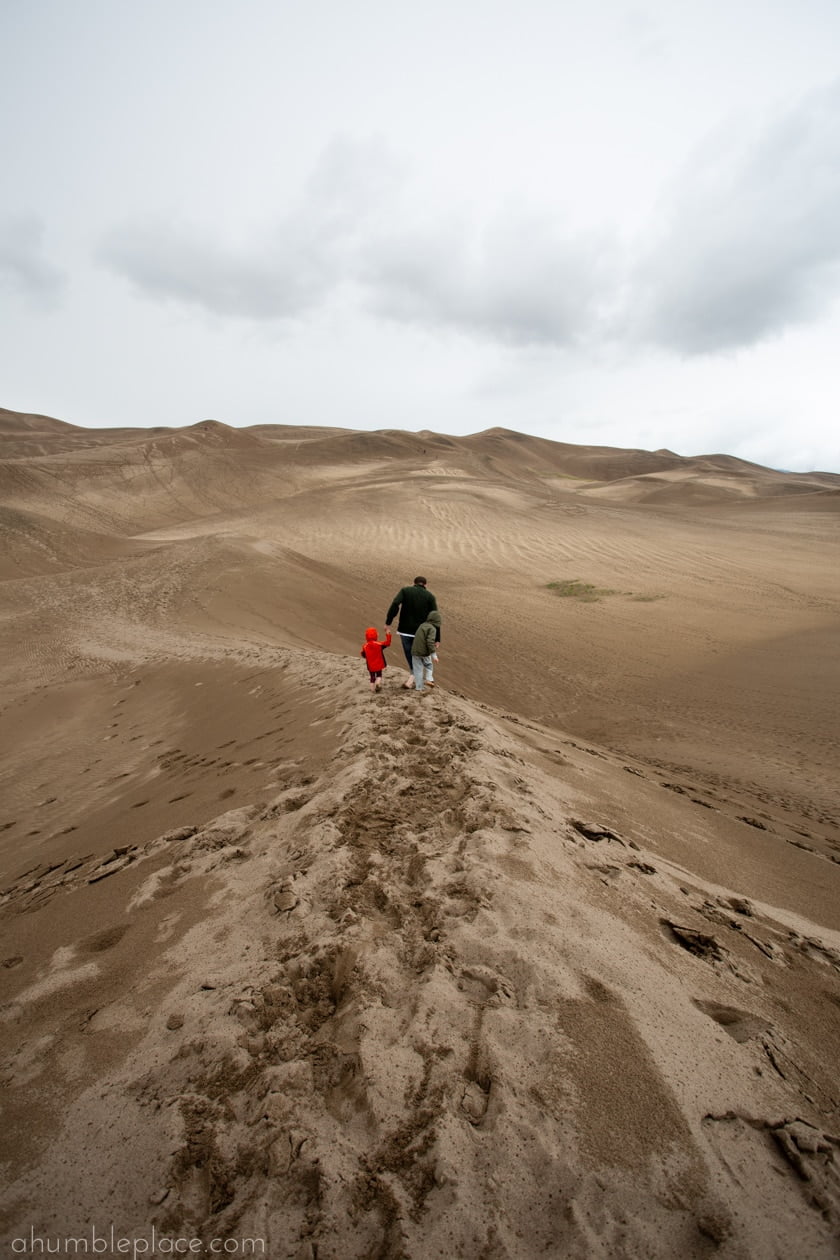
pixel 544 963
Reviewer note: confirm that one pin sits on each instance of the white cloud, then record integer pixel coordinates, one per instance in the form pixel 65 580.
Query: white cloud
pixel 750 236
pixel 279 272
pixel 517 279
pixel 746 242
pixel 24 268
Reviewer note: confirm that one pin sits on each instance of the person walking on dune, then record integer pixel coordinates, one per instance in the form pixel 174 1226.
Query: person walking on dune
pixel 374 653
pixel 423 653
pixel 414 603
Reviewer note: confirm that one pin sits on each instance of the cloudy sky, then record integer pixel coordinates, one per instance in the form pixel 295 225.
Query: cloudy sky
pixel 607 222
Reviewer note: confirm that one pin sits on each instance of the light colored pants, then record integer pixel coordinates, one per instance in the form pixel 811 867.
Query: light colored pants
pixel 421 668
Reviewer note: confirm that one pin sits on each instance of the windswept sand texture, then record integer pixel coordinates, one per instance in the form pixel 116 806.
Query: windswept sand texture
pixel 546 963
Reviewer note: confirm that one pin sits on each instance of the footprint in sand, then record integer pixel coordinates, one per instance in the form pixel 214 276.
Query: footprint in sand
pixel 474 1101
pixel 594 831
pixel 697 943
pixel 741 1025
pixel 106 939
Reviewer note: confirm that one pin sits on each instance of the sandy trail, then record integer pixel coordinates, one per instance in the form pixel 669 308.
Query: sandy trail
pixel 322 1012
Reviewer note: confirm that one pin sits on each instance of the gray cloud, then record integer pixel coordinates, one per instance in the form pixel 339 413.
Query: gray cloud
pixel 518 279
pixel 23 266
pixel 750 236
pixel 279 273
pixel 269 279
pixel 745 243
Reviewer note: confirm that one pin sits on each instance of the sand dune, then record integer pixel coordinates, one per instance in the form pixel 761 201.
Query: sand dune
pixel 545 963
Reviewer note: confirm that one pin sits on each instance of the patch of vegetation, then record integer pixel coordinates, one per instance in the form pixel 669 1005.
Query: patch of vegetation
pixel 574 588
pixel 588 593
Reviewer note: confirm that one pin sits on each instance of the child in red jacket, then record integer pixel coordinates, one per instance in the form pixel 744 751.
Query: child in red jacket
pixel 375 656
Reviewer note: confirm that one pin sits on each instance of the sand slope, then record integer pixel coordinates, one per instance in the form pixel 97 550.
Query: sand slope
pixel 544 963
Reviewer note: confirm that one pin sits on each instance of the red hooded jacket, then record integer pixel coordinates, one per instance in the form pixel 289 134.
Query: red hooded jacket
pixel 372 651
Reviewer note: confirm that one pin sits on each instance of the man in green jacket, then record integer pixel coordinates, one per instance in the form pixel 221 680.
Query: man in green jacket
pixel 414 604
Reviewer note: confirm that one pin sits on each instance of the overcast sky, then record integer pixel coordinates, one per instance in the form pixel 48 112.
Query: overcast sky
pixel 599 222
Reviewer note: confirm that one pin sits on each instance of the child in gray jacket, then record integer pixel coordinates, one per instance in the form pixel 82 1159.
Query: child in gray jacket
pixel 424 652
